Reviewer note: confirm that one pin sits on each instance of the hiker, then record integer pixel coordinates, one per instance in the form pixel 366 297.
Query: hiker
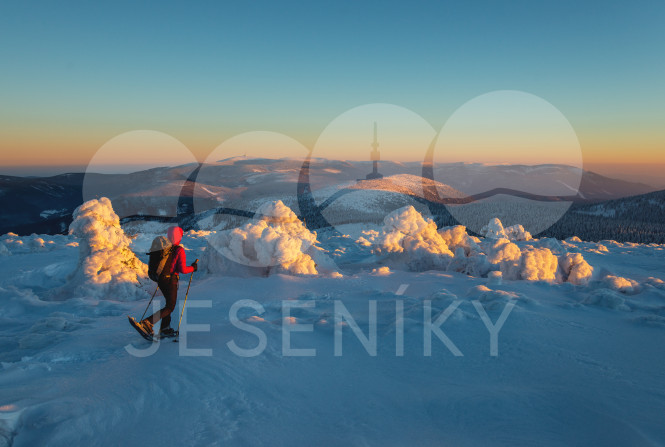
pixel 168 284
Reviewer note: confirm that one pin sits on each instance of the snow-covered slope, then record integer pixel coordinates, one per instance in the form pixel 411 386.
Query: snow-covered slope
pixel 570 364
pixel 548 179
pixel 637 219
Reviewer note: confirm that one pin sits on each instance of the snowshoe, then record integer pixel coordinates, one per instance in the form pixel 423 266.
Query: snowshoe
pixel 143 331
pixel 167 333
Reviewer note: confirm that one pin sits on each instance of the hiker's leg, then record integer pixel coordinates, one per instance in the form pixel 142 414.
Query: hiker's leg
pixel 171 296
pixel 165 286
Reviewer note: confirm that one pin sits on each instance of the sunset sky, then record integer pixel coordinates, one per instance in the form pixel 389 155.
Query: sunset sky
pixel 77 74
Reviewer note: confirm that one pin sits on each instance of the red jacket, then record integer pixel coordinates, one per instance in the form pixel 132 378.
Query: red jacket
pixel 179 262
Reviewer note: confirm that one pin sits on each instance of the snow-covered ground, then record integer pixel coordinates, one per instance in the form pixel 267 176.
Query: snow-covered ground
pixel 577 362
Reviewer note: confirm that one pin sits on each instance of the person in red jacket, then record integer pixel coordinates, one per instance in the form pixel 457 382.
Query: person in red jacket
pixel 168 284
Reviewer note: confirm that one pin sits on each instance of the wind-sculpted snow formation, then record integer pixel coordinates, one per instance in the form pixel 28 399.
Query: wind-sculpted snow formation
pixel 495 230
pixel 575 269
pixel 413 242
pixel 277 242
pixel 12 243
pixel 107 266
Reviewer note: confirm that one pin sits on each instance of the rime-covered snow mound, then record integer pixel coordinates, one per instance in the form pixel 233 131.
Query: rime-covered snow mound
pixel 538 264
pixel 575 269
pixel 495 230
pixel 409 240
pixel 505 256
pixel 107 267
pixel 11 243
pixel 277 242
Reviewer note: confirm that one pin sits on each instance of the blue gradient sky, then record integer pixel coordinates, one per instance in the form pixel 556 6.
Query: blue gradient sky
pixel 75 74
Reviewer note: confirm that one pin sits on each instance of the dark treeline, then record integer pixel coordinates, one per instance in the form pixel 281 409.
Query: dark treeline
pixel 638 219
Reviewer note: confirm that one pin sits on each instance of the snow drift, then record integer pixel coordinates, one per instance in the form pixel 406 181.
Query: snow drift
pixel 4 251
pixel 107 267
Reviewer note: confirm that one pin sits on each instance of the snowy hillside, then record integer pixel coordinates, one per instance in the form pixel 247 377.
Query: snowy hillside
pixel 474 178
pixel 44 205
pixel 384 339
pixel 637 219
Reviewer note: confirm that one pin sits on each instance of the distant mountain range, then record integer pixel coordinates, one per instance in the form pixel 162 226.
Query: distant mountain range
pixel 45 204
pixel 560 180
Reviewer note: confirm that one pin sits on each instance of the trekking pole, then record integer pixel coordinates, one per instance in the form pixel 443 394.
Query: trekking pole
pixel 146 307
pixel 185 303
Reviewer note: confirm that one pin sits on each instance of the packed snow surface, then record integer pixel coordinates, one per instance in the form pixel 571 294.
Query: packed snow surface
pixel 393 349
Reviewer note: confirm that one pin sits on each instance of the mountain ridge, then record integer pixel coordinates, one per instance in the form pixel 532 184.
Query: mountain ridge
pixel 44 204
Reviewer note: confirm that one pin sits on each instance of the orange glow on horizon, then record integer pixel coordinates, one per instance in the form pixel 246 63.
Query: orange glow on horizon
pixel 78 148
